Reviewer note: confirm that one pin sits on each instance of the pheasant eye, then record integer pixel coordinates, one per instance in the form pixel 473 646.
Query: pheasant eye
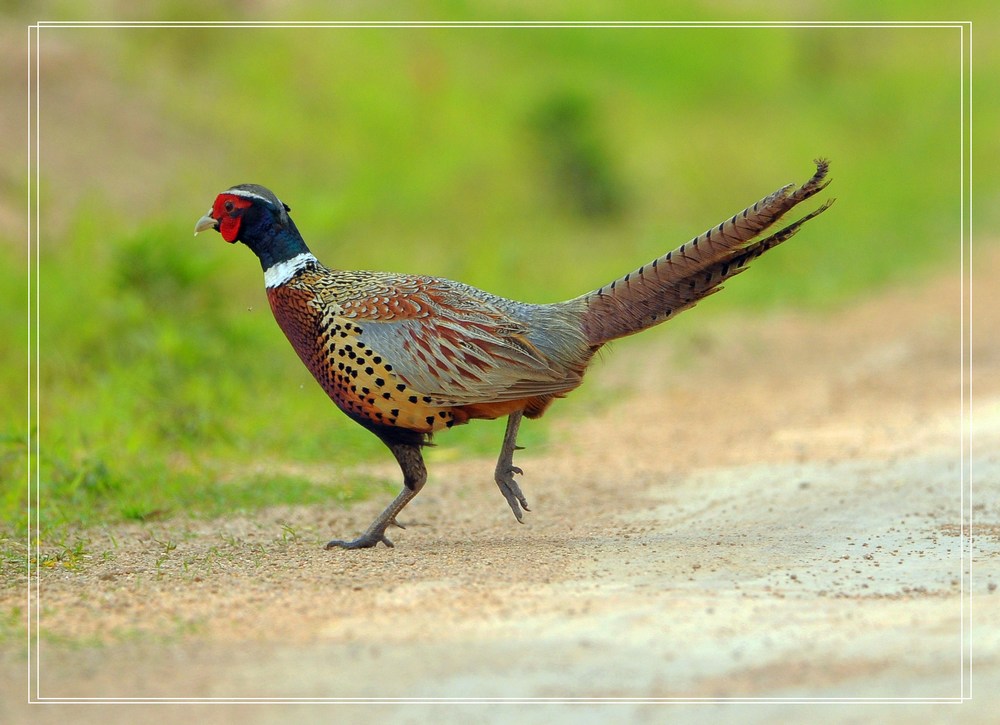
pixel 229 206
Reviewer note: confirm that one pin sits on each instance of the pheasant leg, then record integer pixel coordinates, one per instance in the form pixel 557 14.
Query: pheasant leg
pixel 414 476
pixel 505 470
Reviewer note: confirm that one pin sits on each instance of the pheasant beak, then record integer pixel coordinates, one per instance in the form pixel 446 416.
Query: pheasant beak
pixel 206 222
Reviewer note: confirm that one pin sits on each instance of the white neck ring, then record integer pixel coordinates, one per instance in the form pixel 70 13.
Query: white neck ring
pixel 279 274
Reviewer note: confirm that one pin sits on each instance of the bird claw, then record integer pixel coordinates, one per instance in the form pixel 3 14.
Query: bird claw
pixel 504 477
pixel 367 540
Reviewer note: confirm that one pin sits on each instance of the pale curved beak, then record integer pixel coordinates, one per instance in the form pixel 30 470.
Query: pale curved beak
pixel 206 222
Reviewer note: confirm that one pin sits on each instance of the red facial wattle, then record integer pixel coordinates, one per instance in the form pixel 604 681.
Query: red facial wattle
pixel 228 211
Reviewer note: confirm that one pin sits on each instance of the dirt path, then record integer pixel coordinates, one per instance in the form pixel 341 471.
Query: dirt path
pixel 773 513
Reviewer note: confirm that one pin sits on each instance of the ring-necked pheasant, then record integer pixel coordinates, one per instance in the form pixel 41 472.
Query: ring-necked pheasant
pixel 407 356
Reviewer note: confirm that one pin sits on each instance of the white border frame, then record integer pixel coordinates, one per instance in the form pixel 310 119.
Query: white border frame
pixel 34 286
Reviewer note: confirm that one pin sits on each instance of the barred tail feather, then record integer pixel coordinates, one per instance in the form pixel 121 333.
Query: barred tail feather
pixel 676 281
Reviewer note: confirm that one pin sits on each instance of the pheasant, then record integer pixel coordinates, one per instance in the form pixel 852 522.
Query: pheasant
pixel 407 356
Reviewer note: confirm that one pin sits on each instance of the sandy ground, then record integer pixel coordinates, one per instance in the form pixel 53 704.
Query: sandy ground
pixel 774 512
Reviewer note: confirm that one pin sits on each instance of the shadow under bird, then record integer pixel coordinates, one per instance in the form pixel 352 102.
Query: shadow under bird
pixel 407 356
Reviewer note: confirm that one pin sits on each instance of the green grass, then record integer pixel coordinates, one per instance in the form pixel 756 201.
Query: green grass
pixel 536 164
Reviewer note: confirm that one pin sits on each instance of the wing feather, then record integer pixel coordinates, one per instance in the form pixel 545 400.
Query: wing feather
pixel 453 342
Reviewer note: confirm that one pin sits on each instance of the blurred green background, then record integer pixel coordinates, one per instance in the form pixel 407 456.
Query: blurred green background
pixel 536 163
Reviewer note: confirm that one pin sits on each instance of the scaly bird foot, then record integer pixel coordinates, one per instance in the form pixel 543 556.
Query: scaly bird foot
pixel 415 475
pixel 505 470
pixel 504 476
pixel 367 540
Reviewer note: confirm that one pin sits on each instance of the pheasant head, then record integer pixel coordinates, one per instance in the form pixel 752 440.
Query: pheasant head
pixel 253 215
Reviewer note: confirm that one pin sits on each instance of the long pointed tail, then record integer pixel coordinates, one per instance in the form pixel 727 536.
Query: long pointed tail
pixel 676 281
